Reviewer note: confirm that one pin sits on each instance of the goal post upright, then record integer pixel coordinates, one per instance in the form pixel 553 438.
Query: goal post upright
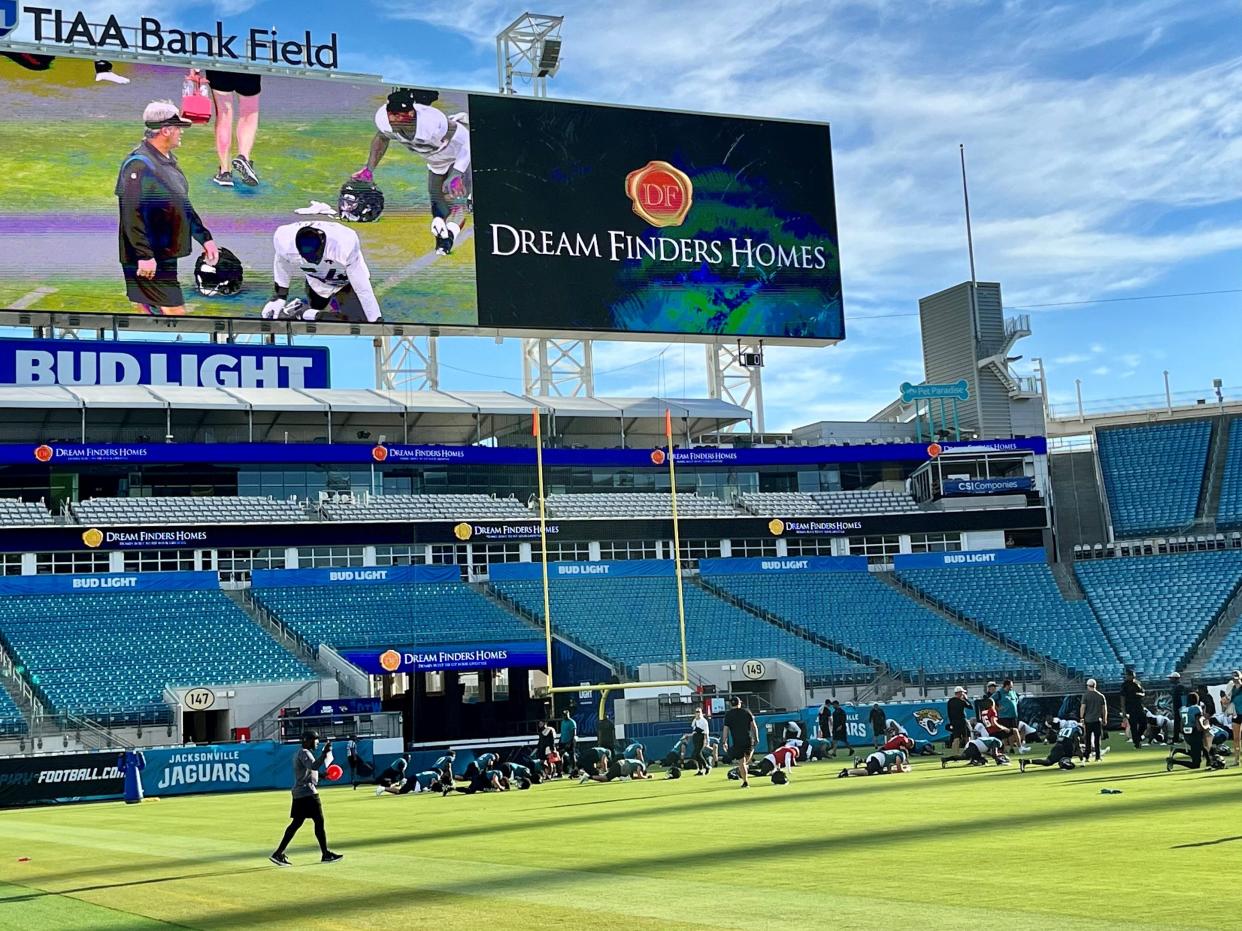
pixel 605 687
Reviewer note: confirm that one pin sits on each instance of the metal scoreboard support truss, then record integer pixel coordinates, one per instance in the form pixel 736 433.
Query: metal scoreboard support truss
pixel 735 374
pixel 529 48
pixel 407 363
pixel 558 367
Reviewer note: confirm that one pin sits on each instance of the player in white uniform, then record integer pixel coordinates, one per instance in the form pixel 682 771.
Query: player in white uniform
pixel 1159 726
pixel 329 256
pixel 443 140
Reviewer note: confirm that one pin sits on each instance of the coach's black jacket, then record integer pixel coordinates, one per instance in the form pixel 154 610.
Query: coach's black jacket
pixel 157 220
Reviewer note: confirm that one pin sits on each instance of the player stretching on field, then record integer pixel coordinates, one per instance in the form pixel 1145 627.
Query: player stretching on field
pixel 977 751
pixel 593 760
pixel 1068 745
pixel 620 769
pixel 880 763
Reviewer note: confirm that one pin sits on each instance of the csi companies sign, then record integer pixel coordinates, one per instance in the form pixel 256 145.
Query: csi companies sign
pixel 148 34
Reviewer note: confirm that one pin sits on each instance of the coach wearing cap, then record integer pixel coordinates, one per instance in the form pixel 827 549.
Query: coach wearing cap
pixel 157 221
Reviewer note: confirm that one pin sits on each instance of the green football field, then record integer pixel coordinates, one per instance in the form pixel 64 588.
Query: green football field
pixel 935 849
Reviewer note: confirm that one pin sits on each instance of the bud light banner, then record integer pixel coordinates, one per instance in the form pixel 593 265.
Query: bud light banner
pixel 286 578
pixel 1021 556
pixel 107 583
pixel 458 656
pixel 74 363
pixel 630 568
pixel 987 486
pixel 766 564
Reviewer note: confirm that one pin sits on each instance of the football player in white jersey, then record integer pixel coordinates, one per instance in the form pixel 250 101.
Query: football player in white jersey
pixel 444 141
pixel 329 256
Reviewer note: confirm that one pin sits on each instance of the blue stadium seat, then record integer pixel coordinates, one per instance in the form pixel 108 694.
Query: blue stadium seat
pixel 1153 474
pixel 1229 512
pixel 861 613
pixel 1024 604
pixel 396 614
pixel 632 621
pixel 100 654
pixel 1156 608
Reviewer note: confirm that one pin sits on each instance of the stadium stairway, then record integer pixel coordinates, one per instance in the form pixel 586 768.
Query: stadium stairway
pixel 1204 659
pixel 499 598
pixel 299 648
pixel 20 709
pixel 1214 479
pixel 769 618
pixel 1053 675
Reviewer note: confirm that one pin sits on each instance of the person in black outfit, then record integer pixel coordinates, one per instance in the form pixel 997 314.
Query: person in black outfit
pixel 1207 702
pixel 157 221
pixel 840 732
pixel 825 724
pixel 1132 696
pixel 699 730
pixel 740 734
pixel 959 729
pixel 878 720
pixel 1177 698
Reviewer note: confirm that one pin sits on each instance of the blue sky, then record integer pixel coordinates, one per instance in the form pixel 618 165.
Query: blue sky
pixel 1104 143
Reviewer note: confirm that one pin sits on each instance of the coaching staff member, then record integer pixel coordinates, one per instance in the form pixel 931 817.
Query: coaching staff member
pixel 740 736
pixel 157 222
pixel 959 730
pixel 306 803
pixel 1093 712
pixel 1132 695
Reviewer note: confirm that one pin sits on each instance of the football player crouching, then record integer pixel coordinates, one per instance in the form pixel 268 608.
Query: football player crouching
pixel 329 258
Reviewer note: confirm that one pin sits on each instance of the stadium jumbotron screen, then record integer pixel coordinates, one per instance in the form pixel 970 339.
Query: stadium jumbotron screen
pixel 334 201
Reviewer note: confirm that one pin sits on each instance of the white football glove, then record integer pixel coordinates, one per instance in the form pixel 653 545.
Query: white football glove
pixel 273 309
pixel 438 227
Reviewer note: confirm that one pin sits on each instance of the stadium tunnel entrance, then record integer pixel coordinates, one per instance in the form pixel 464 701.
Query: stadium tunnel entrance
pixel 466 704
pixel 478 691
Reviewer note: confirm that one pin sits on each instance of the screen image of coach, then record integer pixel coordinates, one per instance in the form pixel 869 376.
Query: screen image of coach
pixel 144 197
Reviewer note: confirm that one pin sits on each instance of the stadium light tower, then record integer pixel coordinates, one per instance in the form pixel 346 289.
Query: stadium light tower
pixel 529 48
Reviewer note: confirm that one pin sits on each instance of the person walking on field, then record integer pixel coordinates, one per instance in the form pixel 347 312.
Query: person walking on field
pixel 306 802
pixel 741 734
pixel 1093 712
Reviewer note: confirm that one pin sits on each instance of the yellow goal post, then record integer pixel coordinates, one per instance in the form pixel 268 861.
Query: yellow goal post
pixel 604 688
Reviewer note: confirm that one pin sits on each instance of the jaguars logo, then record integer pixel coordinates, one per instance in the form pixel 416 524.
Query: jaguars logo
pixel 390 660
pixel 776 526
pixel 463 531
pixel 930 720
pixel 93 538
